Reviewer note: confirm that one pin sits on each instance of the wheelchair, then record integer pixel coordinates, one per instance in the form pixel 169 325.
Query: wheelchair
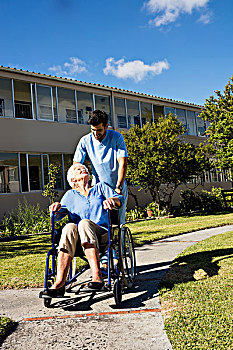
pixel 117 277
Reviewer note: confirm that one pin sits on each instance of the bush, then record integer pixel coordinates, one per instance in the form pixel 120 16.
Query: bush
pixel 26 218
pixel 134 214
pixel 205 201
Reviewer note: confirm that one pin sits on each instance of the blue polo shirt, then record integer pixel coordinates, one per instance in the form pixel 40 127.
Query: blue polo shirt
pixel 90 207
pixel 103 155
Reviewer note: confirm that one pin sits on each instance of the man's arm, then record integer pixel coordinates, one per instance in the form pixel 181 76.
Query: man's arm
pixel 80 152
pixel 122 170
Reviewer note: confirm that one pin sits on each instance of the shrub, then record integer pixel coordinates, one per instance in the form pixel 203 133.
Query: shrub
pixel 26 218
pixel 134 214
pixel 205 201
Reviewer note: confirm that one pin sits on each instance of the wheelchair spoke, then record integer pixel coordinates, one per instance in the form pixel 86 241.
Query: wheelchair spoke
pixel 127 257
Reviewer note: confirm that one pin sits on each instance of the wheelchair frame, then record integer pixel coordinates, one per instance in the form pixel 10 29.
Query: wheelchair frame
pixel 118 277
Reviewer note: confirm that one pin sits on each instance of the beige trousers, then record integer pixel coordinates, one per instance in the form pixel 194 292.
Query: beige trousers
pixel 87 231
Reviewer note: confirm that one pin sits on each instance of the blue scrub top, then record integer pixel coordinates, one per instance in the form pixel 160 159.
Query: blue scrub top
pixel 103 155
pixel 90 207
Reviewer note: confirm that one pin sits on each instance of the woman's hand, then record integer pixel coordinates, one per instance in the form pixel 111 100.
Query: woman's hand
pixel 111 202
pixel 54 207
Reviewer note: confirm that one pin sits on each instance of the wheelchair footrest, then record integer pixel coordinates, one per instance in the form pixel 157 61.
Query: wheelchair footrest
pixel 85 289
pixel 42 295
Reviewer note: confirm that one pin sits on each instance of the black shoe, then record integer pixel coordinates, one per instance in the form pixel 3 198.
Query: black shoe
pixel 55 293
pixel 95 285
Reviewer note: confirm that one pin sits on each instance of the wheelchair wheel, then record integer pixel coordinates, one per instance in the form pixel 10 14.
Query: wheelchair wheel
pixel 47 302
pixel 127 257
pixel 117 291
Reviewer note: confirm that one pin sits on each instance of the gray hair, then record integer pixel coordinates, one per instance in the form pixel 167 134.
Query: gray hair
pixel 70 173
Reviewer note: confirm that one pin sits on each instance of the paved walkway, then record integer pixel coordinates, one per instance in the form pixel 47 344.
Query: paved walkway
pixel 95 322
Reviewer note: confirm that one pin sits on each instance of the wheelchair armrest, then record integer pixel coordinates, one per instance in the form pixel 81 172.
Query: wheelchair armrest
pixel 61 213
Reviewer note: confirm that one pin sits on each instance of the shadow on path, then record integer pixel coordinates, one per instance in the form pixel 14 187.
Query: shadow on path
pixel 145 288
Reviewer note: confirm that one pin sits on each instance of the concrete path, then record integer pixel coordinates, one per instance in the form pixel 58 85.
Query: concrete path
pixel 94 322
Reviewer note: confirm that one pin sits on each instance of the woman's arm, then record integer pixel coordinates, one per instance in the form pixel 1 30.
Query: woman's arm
pixel 54 207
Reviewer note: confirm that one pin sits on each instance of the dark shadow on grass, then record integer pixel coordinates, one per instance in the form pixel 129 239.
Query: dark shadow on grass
pixel 195 266
pixel 8 331
pixel 36 245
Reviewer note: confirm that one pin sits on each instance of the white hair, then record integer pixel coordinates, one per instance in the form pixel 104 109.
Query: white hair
pixel 70 173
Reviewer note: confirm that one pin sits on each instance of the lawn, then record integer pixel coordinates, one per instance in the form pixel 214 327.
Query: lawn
pixel 22 262
pixel 6 325
pixel 196 296
pixel 196 312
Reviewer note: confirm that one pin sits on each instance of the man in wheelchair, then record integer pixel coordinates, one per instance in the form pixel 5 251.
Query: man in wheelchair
pixel 87 207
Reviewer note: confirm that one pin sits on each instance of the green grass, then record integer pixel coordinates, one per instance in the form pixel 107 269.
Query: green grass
pixel 151 230
pixel 197 294
pixel 6 324
pixel 22 265
pixel 22 262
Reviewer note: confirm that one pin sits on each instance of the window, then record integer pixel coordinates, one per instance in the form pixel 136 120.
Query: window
pixel 181 116
pixel 103 103
pixel 67 105
pixel 158 111
pixel 68 161
pixel 23 110
pixel 133 113
pixel 207 176
pixel 44 102
pixel 215 175
pixel 46 168
pixel 2 108
pixel 120 113
pixel 57 159
pixel 191 123
pixel 22 97
pixel 146 113
pixel 24 173
pixel 169 110
pixel 85 106
pixel 35 172
pixel 6 105
pixel 9 173
pixel 200 125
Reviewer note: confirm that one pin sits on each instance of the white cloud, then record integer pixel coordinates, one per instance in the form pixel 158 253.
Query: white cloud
pixel 71 68
pixel 205 18
pixel 136 70
pixel 167 11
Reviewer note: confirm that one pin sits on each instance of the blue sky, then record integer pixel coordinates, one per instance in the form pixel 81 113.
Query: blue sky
pixel 178 49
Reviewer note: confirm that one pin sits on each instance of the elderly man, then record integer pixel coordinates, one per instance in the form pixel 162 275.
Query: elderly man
pixel 87 208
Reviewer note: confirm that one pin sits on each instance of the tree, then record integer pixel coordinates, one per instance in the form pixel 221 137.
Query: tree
pixel 219 112
pixel 49 190
pixel 159 159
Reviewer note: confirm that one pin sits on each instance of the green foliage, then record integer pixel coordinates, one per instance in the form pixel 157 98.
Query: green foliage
pixel 134 214
pixel 159 160
pixel 219 112
pixel 206 201
pixel 25 219
pixel 157 211
pixel 49 190
pixel 22 262
pixel 6 324
pixel 196 296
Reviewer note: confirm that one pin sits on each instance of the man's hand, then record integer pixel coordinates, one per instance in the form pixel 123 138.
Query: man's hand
pixel 54 207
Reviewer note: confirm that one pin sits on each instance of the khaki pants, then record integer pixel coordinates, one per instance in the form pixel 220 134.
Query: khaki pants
pixel 87 231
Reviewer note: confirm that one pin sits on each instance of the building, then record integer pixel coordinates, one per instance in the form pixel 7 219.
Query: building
pixel 43 117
